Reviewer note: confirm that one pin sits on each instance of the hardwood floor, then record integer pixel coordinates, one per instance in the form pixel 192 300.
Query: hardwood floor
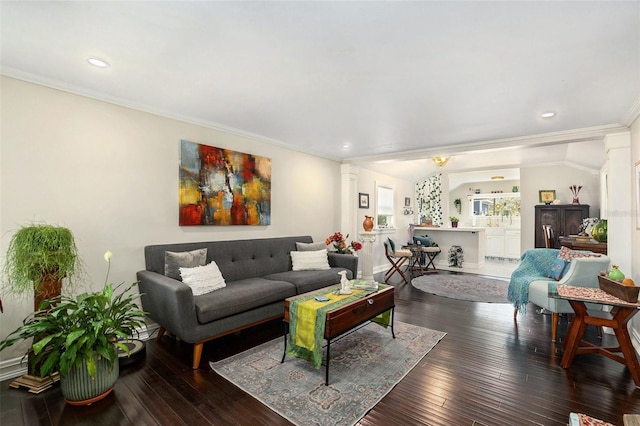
pixel 488 370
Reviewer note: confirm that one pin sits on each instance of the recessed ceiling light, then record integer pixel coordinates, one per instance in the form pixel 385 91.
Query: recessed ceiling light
pixel 346 146
pixel 547 114
pixel 97 62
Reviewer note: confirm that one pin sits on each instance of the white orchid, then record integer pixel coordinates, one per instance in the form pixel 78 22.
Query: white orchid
pixel 108 255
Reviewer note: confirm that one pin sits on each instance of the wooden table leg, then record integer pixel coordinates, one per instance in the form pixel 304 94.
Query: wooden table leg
pixel 618 323
pixel 575 334
pixel 621 319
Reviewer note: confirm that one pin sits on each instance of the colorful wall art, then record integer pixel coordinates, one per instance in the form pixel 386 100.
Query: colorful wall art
pixel 223 187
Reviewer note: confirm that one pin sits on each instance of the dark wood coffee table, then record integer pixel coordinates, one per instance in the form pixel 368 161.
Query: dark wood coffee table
pixel 346 317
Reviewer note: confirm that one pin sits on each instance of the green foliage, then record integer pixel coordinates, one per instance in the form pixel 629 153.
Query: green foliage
pixel 35 251
pixel 453 219
pixel 73 329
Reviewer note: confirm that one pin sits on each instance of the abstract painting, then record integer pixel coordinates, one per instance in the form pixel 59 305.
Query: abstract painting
pixel 223 187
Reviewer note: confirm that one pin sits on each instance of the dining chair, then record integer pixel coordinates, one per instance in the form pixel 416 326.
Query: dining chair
pixel 548 236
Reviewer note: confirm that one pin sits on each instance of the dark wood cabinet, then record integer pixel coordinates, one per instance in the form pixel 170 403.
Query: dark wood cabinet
pixel 565 220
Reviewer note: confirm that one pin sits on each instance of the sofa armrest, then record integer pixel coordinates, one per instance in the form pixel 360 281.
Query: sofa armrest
pixel 169 302
pixel 347 261
pixel 583 271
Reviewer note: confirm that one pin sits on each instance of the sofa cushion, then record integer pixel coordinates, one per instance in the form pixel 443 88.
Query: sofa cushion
pixel 173 261
pixel 241 296
pixel 203 279
pixel 309 260
pixel 310 246
pixel 310 280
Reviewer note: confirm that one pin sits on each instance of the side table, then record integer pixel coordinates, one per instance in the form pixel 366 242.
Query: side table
pixel 617 319
pixel 415 263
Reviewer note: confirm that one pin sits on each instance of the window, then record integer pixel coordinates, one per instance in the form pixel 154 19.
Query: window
pixel 502 204
pixel 384 206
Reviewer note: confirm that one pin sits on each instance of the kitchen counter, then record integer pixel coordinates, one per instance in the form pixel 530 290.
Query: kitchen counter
pixel 471 239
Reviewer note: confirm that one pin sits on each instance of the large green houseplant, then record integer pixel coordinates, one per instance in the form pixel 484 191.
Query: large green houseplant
pixel 78 338
pixel 38 258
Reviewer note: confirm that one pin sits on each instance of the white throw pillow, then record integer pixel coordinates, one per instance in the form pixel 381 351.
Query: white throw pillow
pixel 310 260
pixel 203 279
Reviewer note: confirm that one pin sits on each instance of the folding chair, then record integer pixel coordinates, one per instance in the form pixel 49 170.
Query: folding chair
pixel 431 253
pixel 397 259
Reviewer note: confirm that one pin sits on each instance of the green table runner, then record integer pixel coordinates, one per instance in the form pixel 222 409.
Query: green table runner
pixel 307 319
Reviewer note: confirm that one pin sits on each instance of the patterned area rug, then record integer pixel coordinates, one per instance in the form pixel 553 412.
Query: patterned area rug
pixel 464 287
pixel 365 366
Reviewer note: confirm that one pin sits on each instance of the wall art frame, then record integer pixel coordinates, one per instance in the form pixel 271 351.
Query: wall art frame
pixel 220 187
pixel 547 196
pixel 363 200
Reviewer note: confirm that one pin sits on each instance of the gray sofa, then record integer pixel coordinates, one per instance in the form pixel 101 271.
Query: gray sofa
pixel 258 275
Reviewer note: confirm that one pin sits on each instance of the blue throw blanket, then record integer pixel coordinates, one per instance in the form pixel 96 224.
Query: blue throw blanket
pixel 535 265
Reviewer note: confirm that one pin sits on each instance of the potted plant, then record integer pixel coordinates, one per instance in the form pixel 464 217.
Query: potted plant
pixel 454 221
pixel 38 258
pixel 78 338
pixel 458 204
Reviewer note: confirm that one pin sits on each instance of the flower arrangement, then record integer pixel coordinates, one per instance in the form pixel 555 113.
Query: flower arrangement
pixel 340 243
pixel 575 190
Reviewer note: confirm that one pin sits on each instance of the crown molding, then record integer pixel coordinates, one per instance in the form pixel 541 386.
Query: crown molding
pixel 632 114
pixel 542 139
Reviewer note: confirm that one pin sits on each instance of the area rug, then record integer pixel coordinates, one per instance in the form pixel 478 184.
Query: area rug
pixel 365 365
pixel 464 287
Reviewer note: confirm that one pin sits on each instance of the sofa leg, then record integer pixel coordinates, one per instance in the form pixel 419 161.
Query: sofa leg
pixel 161 331
pixel 555 318
pixel 197 354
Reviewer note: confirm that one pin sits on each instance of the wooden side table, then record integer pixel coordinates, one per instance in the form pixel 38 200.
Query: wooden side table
pixel 617 319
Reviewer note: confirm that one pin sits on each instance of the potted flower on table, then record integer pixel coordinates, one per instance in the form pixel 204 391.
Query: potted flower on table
pixel 454 221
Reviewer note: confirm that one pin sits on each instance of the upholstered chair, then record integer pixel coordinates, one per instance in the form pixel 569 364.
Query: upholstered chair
pixel 531 280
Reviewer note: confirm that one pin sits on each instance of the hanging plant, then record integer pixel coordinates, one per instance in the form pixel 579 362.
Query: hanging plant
pixel 36 252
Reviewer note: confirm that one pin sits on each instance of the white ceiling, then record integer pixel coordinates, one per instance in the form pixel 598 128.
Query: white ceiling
pixel 393 79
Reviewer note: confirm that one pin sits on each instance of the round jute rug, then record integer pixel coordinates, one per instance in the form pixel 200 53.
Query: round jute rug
pixel 464 287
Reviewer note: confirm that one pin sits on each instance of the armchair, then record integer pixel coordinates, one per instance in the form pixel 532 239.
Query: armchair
pixel 530 281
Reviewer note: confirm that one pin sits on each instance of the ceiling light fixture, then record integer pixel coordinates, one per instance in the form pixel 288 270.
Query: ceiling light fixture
pixel 440 160
pixel 346 146
pixel 548 114
pixel 97 62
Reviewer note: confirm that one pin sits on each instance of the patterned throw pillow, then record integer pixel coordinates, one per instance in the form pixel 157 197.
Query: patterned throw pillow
pixel 203 279
pixel 565 256
pixel 173 261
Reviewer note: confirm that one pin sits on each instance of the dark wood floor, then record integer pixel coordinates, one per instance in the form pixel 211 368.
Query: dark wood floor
pixel 488 370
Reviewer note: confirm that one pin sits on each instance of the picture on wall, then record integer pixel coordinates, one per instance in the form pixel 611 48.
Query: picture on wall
pixel 363 200
pixel 223 187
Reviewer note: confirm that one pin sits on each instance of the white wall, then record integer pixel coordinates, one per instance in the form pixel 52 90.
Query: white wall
pixel 559 178
pixel 635 226
pixel 367 184
pixel 110 174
